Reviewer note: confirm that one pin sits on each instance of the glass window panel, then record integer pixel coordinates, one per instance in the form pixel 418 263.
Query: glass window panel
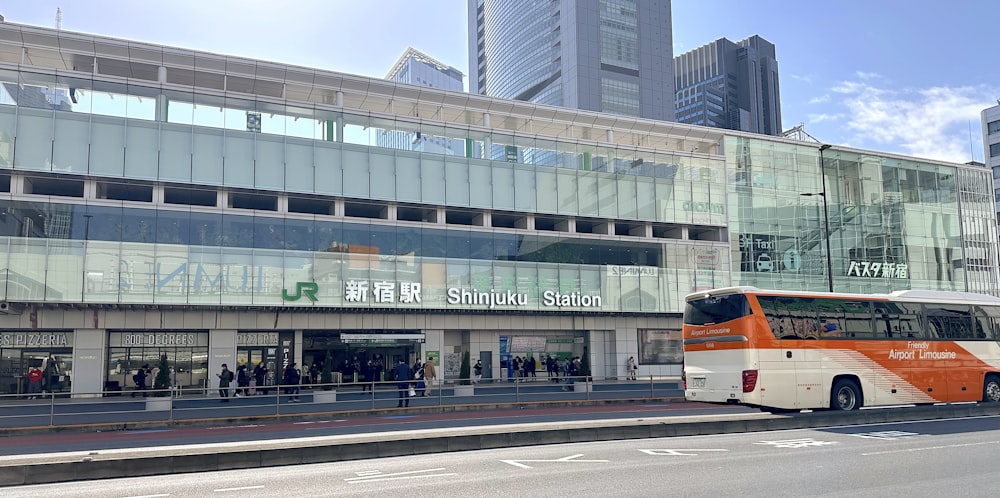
pixel 269 164
pixel 141 150
pixel 456 182
pixel 567 189
pixel 547 190
pixel 587 193
pixel 237 231
pixel 299 166
pixel 269 233
pixel 382 170
pixel 525 190
pixel 173 227
pixel 206 163
pixel 33 148
pixel 503 187
pixel 432 179
pixel 407 176
pixel 72 148
pixel 206 229
pixel 238 160
pixel 480 184
pixel 328 161
pixel 174 153
pixel 356 173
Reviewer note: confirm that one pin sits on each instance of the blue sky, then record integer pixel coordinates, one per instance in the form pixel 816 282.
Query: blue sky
pixel 904 76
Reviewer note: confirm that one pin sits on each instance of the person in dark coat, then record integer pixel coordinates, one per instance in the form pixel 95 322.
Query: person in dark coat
pixel 291 379
pixel 403 376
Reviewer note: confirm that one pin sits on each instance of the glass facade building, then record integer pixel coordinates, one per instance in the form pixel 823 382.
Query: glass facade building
pixel 160 201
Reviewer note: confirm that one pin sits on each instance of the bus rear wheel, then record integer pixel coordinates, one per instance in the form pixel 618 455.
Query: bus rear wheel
pixel 991 389
pixel 846 395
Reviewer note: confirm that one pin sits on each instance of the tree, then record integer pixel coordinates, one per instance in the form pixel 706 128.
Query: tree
pixel 464 372
pixel 161 384
pixel 326 378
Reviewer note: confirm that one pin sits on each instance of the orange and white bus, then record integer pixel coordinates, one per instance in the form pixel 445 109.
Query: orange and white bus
pixel 786 350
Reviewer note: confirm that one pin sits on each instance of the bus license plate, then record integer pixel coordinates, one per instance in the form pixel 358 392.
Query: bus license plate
pixel 698 382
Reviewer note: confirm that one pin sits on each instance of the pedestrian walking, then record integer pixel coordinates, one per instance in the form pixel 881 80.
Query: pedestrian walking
pixel 225 378
pixel 140 380
pixel 259 374
pixel 478 371
pixel 631 367
pixel 291 379
pixel 403 376
pixel 430 374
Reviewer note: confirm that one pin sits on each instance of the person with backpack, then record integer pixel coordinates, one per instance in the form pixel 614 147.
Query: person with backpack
pixel 225 378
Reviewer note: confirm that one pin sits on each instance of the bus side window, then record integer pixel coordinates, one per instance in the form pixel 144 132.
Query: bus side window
pixel 982 326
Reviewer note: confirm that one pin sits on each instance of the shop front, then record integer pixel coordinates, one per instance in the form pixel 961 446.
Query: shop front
pixel 128 351
pixel 50 352
pixel 358 356
pixel 266 349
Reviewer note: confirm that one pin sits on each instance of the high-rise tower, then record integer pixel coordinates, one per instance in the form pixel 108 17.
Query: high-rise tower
pixel 613 56
pixel 730 85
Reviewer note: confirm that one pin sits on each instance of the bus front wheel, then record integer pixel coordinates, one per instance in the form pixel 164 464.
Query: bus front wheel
pixel 991 389
pixel 846 395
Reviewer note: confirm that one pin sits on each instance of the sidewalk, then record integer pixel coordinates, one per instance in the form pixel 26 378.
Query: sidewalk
pixel 101 413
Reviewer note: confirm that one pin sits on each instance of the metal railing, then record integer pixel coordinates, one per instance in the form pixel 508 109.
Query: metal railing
pixel 131 407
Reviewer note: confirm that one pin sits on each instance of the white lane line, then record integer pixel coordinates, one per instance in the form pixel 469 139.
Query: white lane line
pixel 223 490
pixel 397 474
pixel 400 478
pixel 942 447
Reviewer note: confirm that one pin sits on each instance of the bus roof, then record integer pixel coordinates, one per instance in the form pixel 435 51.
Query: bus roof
pixel 929 296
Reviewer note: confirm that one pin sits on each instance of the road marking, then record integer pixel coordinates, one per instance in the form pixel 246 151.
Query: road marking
pixel 149 496
pixel 378 476
pixel 676 452
pixel 223 490
pixel 569 459
pixel 887 435
pixel 929 448
pixel 797 443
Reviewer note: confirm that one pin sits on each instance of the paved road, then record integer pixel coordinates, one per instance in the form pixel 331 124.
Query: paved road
pixel 933 458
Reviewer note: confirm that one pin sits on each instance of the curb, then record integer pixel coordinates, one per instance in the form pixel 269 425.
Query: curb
pixel 147 462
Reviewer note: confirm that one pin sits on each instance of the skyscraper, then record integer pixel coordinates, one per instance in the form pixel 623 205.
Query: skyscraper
pixel 730 85
pixel 991 143
pixel 417 68
pixel 613 56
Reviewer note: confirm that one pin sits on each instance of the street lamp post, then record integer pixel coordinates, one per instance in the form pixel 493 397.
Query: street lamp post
pixel 826 217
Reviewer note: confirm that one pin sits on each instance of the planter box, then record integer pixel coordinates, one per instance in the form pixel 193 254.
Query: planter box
pixel 465 390
pixel 583 387
pixel 159 404
pixel 324 396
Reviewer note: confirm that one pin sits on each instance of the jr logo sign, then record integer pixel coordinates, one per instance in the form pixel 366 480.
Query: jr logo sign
pixel 307 289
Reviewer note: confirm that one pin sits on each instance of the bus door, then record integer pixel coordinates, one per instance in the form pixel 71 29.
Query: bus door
pixel 941 368
pixel 805 353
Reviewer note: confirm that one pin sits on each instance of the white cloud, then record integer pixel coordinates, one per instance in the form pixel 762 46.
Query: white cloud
pixel 819 100
pixel 819 118
pixel 925 122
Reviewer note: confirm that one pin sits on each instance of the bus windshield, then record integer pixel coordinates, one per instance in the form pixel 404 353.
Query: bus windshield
pixel 715 309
